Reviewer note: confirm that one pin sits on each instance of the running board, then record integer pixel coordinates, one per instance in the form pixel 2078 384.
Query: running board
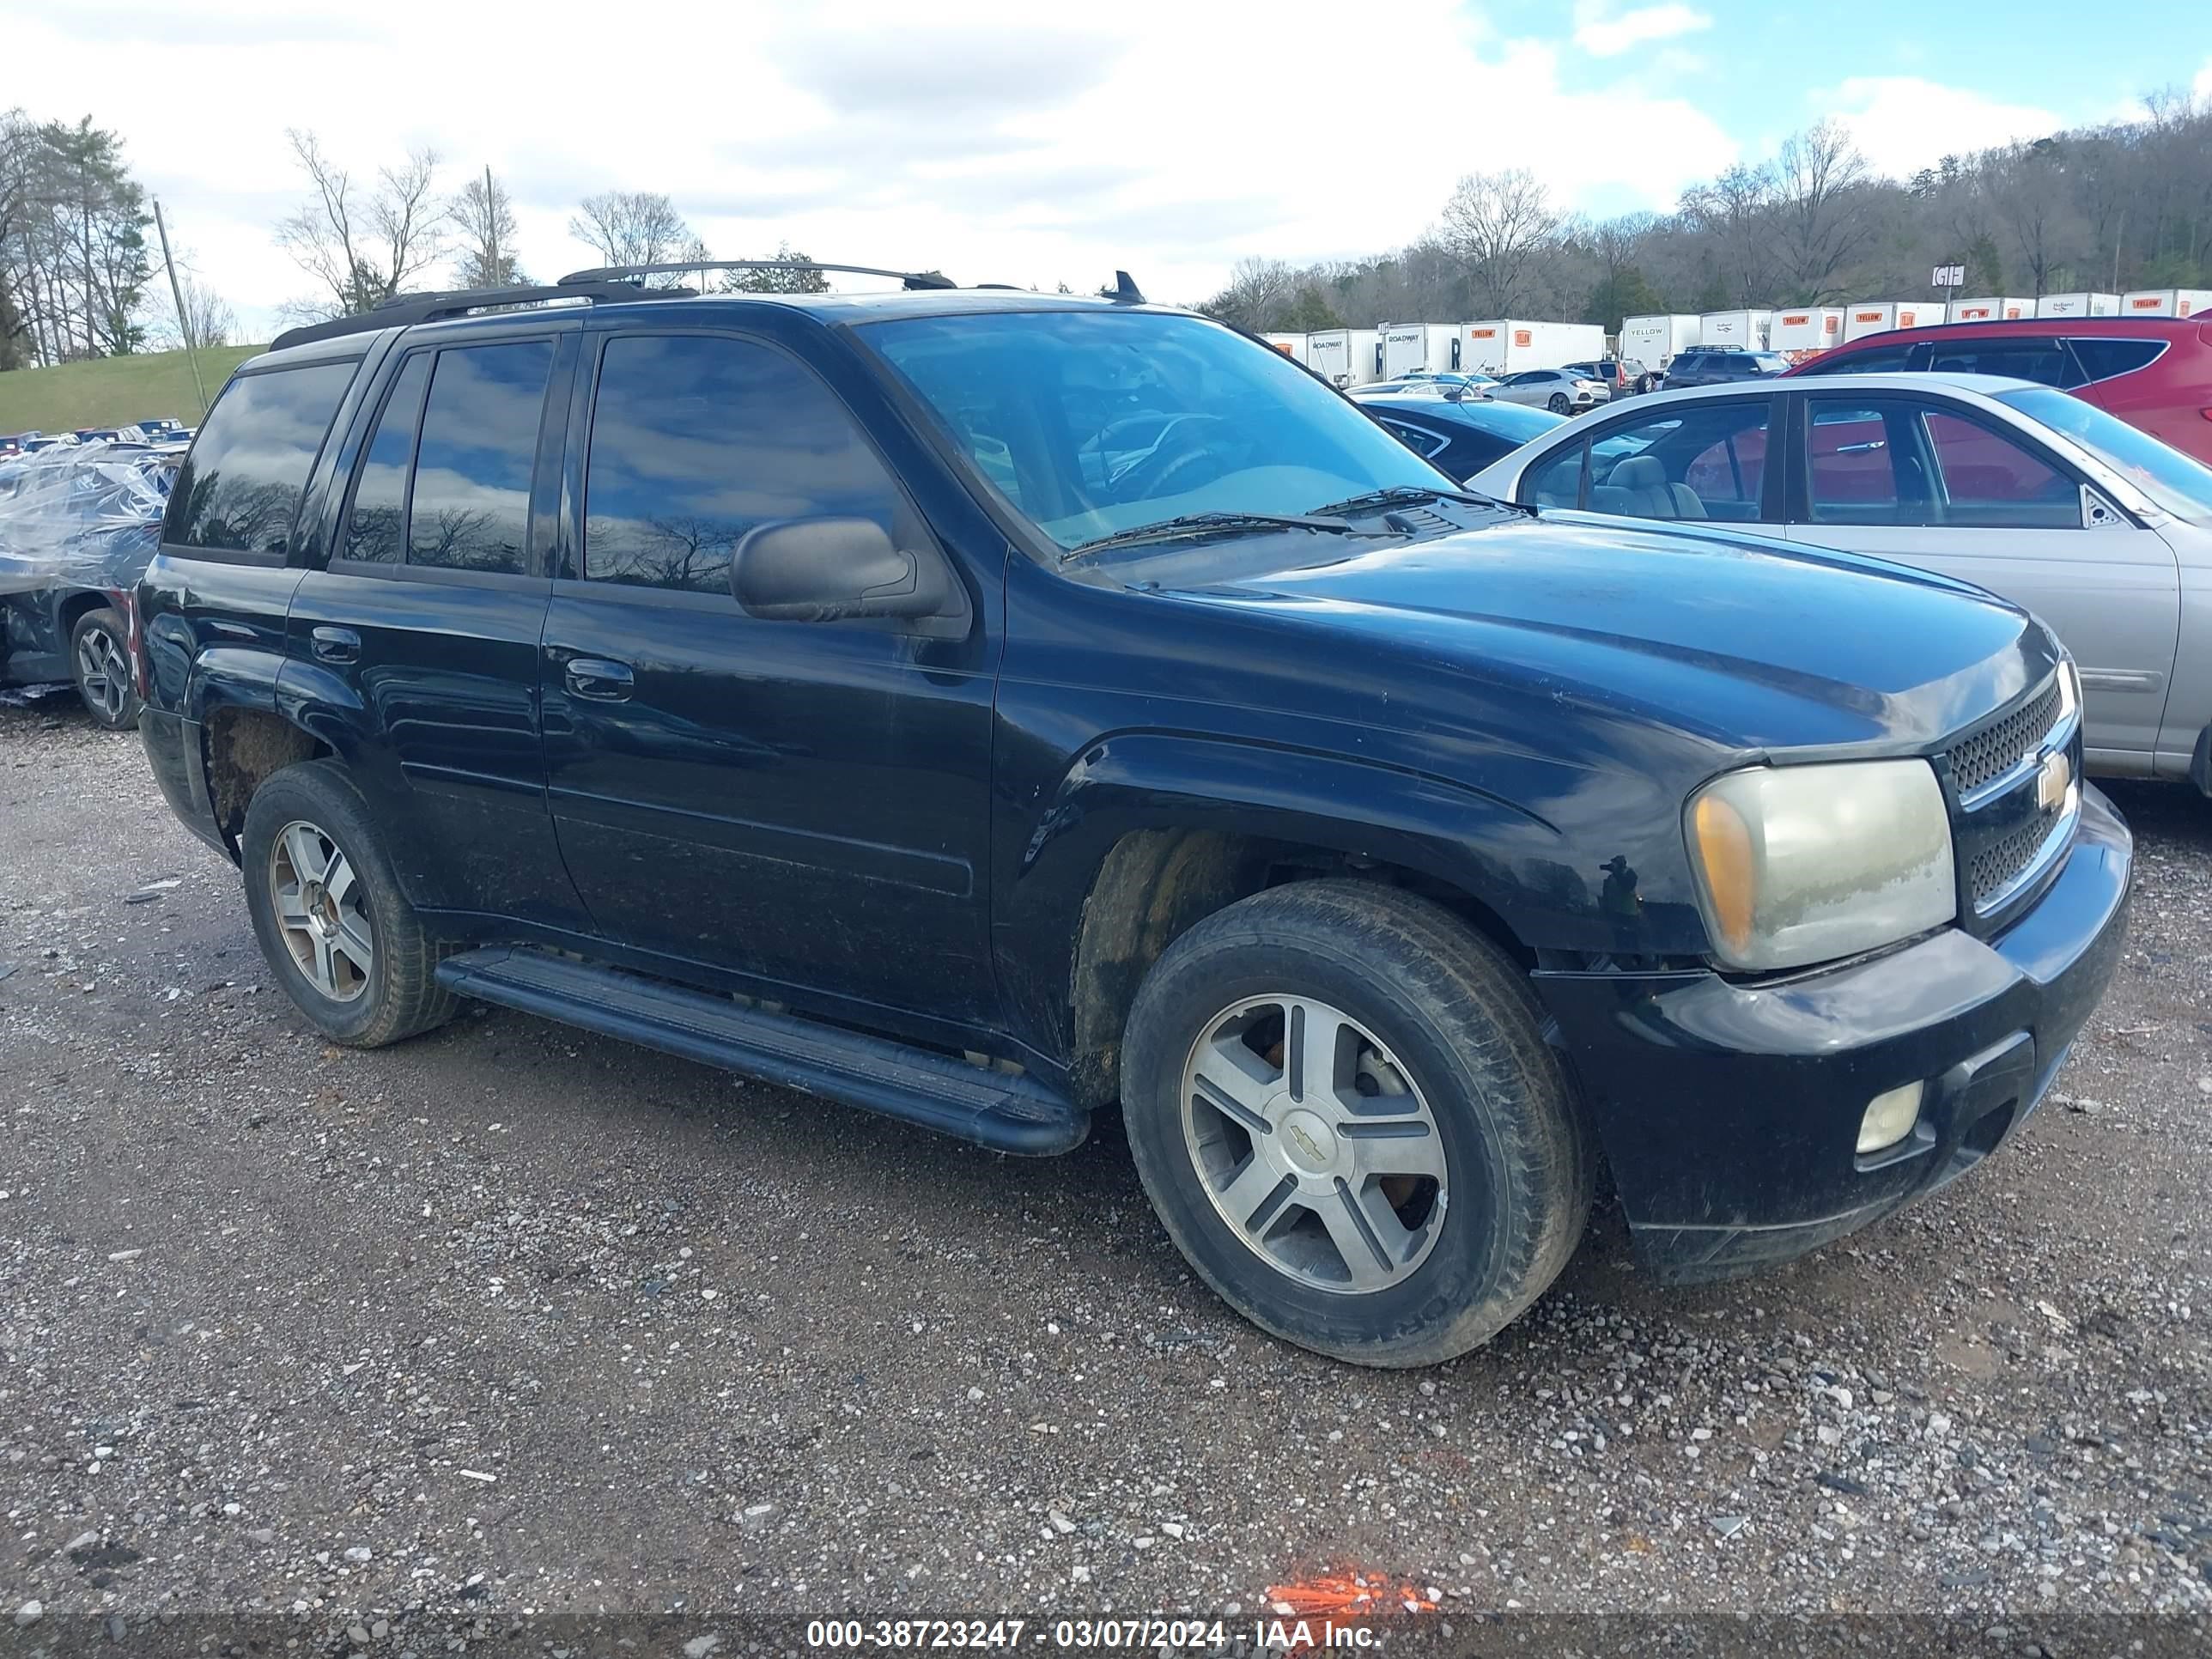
pixel 1007 1112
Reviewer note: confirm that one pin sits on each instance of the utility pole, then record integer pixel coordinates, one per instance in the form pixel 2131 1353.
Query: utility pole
pixel 184 323
pixel 490 274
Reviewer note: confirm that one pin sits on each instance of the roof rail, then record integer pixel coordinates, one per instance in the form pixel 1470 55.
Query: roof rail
pixel 403 309
pixel 911 279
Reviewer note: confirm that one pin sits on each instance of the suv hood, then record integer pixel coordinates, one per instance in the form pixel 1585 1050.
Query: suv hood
pixel 1749 643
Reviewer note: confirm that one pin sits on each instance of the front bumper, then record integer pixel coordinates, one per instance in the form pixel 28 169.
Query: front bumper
pixel 1730 1112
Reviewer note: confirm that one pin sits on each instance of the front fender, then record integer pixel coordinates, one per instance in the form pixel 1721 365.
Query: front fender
pixel 1548 884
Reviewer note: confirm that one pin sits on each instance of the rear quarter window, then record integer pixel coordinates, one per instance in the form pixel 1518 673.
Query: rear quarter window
pixel 2103 358
pixel 239 492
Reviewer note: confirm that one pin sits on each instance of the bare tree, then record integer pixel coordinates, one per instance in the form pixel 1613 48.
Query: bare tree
pixel 1497 225
pixel 362 244
pixel 208 321
pixel 636 227
pixel 1734 216
pixel 1822 209
pixel 482 218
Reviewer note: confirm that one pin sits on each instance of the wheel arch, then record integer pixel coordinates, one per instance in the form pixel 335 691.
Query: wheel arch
pixel 1154 832
pixel 242 748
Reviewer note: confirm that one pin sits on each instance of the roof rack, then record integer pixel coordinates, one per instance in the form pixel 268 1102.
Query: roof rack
pixel 403 309
pixel 911 279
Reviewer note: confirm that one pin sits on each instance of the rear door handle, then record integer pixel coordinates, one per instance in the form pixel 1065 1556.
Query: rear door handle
pixel 335 645
pixel 601 680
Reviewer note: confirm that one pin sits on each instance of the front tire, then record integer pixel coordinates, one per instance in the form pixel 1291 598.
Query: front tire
pixel 99 664
pixel 1339 1101
pixel 343 942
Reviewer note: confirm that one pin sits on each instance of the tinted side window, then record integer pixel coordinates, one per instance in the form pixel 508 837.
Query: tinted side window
pixel 1706 463
pixel 1851 466
pixel 1558 482
pixel 470 506
pixel 240 490
pixel 377 531
pixel 694 440
pixel 1878 360
pixel 1991 480
pixel 1422 441
pixel 2045 361
pixel 2100 360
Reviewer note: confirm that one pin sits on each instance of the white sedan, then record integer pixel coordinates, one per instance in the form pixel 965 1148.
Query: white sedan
pixel 2099 529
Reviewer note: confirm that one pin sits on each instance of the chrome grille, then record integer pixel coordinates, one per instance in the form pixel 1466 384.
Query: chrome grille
pixel 1990 754
pixel 2005 839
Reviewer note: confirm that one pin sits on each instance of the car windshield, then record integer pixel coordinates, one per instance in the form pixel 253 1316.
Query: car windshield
pixel 1091 422
pixel 1767 362
pixel 2176 482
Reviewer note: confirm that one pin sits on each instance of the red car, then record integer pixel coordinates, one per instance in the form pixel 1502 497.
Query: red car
pixel 2154 373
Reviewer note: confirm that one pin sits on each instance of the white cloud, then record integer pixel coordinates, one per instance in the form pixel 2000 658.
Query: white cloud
pixel 2202 85
pixel 1903 123
pixel 1000 140
pixel 1604 32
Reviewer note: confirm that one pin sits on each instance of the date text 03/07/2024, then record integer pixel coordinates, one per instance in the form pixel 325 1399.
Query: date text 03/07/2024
pixel 1144 1635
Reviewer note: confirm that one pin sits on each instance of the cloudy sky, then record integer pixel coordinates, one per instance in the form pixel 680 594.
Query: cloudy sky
pixel 1029 142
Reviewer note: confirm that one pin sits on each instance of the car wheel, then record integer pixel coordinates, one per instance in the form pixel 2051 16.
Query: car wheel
pixel 99 663
pixel 348 948
pixel 1338 1098
pixel 1559 404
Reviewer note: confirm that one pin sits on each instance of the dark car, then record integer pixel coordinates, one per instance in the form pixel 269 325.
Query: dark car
pixel 807 685
pixel 1624 374
pixel 2154 373
pixel 77 528
pixel 1721 366
pixel 1461 437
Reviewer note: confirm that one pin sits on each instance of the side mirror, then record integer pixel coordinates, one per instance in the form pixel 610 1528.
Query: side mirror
pixel 844 570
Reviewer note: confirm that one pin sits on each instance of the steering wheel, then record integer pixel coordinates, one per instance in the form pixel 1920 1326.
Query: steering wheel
pixel 1183 449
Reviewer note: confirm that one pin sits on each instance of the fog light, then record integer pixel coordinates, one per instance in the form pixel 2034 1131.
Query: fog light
pixel 1890 1117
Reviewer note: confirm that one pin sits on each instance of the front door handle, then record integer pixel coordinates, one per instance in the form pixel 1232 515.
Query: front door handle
pixel 335 645
pixel 601 680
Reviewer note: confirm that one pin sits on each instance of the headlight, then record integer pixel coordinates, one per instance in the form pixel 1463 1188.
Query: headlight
pixel 1800 864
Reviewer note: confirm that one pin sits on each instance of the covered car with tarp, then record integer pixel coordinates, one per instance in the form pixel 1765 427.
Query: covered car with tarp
pixel 78 525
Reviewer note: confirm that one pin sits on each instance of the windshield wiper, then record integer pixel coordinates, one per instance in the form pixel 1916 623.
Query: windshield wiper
pixel 1191 524
pixel 1404 495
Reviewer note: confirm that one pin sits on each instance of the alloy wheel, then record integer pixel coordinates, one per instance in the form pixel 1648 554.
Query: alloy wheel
pixel 322 910
pixel 1315 1144
pixel 102 675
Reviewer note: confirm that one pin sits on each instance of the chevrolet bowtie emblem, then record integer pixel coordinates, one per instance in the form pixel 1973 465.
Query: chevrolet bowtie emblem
pixel 2053 782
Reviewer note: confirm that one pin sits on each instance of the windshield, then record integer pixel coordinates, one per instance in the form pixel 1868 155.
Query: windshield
pixel 2177 483
pixel 1095 421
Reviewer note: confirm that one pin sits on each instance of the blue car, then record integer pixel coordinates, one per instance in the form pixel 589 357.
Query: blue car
pixel 1459 436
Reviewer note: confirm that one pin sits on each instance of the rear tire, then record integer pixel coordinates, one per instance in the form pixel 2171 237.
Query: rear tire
pixel 347 947
pixel 1393 1197
pixel 99 664
pixel 1559 404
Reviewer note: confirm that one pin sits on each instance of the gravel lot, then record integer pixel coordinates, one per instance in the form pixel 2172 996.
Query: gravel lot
pixel 510 1323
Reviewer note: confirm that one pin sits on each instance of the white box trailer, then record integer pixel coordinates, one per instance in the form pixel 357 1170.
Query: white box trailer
pixel 2001 309
pixel 1292 346
pixel 1504 346
pixel 2078 305
pixel 1746 329
pixel 1410 348
pixel 2166 303
pixel 1798 335
pixel 1653 341
pixel 1345 356
pixel 1880 316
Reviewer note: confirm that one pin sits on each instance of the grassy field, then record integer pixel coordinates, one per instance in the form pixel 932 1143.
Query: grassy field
pixel 113 391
